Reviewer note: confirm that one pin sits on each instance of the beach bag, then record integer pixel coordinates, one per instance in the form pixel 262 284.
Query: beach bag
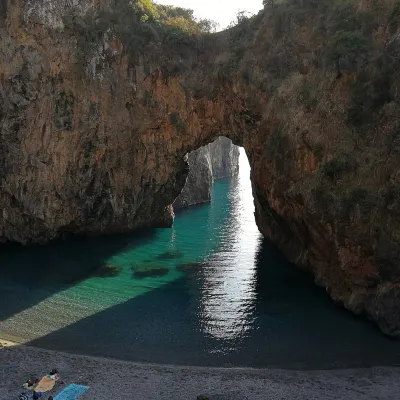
pixel 24 396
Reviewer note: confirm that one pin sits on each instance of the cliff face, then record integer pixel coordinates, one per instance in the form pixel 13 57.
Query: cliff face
pixel 224 158
pixel 217 160
pixel 309 89
pixel 74 155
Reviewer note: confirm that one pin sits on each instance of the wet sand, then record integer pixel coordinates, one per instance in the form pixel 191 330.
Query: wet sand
pixel 120 380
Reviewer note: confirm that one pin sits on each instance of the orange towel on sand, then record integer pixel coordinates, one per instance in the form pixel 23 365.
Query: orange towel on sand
pixel 45 384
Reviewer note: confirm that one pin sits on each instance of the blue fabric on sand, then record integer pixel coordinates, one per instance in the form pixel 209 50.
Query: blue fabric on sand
pixel 71 392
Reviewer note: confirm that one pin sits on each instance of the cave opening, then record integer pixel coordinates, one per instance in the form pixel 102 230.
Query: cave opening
pixel 220 159
pixel 218 198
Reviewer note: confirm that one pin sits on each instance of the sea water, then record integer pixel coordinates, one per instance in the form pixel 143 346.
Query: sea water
pixel 209 291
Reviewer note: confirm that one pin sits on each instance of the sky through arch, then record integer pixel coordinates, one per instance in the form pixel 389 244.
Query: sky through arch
pixel 221 11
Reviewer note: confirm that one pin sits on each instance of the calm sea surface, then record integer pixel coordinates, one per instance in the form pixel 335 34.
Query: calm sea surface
pixel 209 291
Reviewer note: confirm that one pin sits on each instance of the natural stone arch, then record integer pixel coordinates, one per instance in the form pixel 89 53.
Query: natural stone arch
pixel 103 152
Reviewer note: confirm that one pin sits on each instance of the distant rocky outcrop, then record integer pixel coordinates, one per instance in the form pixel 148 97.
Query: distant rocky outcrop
pixel 217 160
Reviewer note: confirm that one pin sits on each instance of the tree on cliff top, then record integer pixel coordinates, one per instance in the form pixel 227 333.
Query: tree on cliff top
pixel 181 18
pixel 139 24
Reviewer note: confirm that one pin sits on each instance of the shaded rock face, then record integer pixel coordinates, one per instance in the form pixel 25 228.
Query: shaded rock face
pixel 224 158
pixel 217 160
pixel 199 180
pixel 313 101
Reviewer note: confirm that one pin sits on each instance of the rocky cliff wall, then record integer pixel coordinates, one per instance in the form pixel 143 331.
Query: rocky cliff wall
pixel 224 158
pixel 94 141
pixel 217 160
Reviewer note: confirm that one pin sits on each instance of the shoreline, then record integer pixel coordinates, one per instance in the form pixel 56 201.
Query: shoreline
pixel 120 379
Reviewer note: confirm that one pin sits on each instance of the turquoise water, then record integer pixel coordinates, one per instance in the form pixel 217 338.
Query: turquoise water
pixel 209 291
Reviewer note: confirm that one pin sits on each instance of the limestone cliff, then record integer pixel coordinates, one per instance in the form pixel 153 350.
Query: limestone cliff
pixel 93 139
pixel 217 160
pixel 224 158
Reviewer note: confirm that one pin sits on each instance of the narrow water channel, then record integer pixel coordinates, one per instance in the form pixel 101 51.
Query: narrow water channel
pixel 209 291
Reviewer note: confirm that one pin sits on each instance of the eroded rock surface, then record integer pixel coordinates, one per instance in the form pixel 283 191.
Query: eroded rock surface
pixel 309 89
pixel 216 160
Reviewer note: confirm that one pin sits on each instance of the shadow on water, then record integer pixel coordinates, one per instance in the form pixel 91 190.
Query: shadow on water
pixel 28 275
pixel 296 326
pixel 306 327
pixel 209 291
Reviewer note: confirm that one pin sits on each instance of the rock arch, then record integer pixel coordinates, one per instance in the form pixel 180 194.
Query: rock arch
pixel 103 152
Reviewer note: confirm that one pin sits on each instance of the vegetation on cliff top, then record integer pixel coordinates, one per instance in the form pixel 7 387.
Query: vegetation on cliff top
pixel 140 25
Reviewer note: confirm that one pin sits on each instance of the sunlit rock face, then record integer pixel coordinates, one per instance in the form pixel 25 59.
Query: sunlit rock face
pixel 217 160
pixel 100 147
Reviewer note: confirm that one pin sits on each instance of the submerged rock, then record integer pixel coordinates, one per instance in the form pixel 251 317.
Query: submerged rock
pixel 170 255
pixel 95 271
pixel 188 266
pixel 149 271
pixel 107 271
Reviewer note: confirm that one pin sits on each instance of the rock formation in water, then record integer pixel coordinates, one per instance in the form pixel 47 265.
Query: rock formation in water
pixel 96 122
pixel 217 160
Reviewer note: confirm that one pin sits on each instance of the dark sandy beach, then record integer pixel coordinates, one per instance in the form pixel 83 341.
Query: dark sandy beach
pixel 120 380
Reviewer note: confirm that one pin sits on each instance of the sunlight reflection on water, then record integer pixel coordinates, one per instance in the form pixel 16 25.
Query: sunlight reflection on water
pixel 229 290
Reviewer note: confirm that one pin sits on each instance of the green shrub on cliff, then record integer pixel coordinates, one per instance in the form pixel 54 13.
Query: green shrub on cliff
pixel 344 43
pixel 275 141
pixel 277 146
pixel 318 150
pixel 340 164
pixel 176 120
pixel 323 196
pixel 392 197
pixel 307 96
pixel 225 69
pixel 348 50
pixel 139 25
pixel 358 198
pixel 371 90
pixel 394 19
